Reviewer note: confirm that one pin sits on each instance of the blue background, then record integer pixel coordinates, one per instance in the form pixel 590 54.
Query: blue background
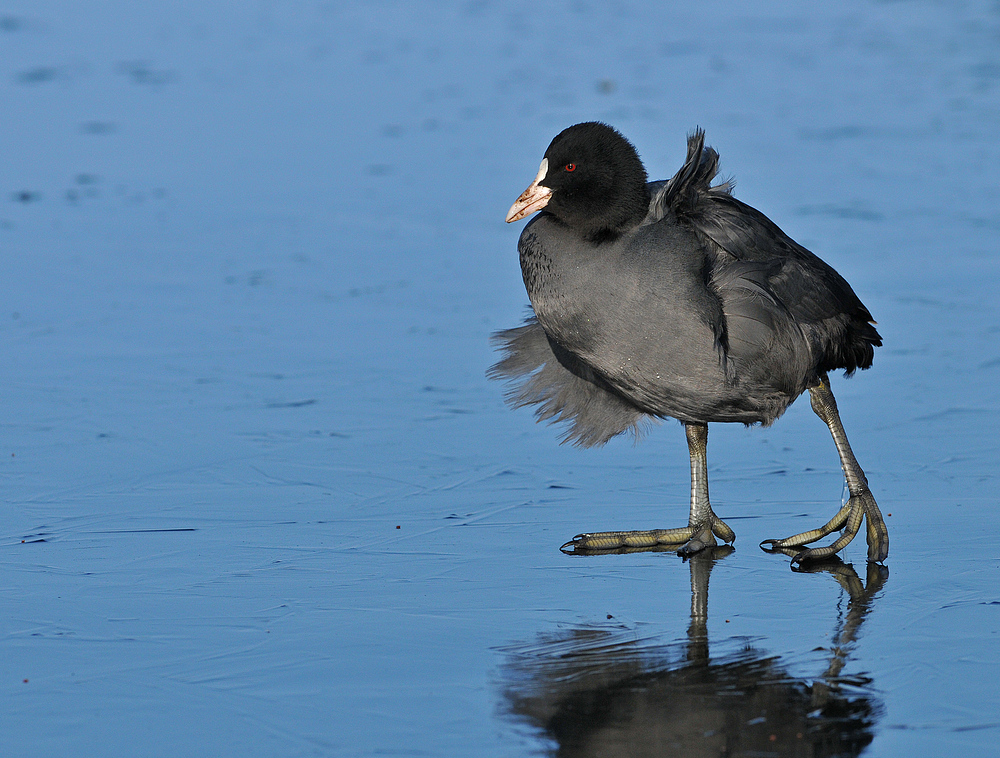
pixel 258 498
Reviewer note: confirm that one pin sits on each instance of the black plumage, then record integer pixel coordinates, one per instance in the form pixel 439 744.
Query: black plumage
pixel 666 299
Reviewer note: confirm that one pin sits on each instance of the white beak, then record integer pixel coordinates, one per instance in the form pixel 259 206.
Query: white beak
pixel 532 199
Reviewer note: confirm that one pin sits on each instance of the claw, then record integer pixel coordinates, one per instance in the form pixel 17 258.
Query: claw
pixel 572 544
pixel 860 507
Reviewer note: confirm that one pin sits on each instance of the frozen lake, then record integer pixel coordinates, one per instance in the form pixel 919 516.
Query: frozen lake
pixel 258 497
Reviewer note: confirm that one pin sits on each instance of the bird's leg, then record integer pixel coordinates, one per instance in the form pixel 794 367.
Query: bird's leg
pixel 860 506
pixel 702 521
pixel 703 525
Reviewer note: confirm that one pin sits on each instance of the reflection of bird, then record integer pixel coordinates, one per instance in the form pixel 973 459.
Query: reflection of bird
pixel 599 692
pixel 675 299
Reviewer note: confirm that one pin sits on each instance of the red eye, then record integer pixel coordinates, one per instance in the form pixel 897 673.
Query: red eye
pixel 571 167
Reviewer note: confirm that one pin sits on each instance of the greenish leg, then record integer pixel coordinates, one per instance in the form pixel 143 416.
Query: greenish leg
pixel 703 525
pixel 859 507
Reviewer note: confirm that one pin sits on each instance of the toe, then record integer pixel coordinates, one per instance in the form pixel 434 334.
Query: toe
pixel 815 554
pixel 722 530
pixel 691 547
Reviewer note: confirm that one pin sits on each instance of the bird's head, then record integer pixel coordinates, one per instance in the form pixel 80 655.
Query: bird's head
pixel 591 179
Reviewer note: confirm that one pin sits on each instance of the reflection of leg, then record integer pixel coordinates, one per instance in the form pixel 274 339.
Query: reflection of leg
pixel 701 569
pixel 703 525
pixel 860 505
pixel 862 595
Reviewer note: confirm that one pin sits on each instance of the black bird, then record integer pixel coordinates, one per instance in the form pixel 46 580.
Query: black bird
pixel 676 299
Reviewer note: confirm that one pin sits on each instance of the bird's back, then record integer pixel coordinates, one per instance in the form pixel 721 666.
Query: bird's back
pixel 838 327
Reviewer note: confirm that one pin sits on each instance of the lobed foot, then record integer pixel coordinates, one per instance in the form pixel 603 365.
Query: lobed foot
pixel 861 506
pixel 686 540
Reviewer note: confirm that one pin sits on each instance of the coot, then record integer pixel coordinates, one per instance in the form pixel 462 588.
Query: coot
pixel 675 299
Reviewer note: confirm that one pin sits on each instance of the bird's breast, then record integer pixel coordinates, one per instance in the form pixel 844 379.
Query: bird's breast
pixel 625 308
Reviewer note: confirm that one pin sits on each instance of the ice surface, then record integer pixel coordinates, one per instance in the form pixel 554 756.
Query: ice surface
pixel 259 498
